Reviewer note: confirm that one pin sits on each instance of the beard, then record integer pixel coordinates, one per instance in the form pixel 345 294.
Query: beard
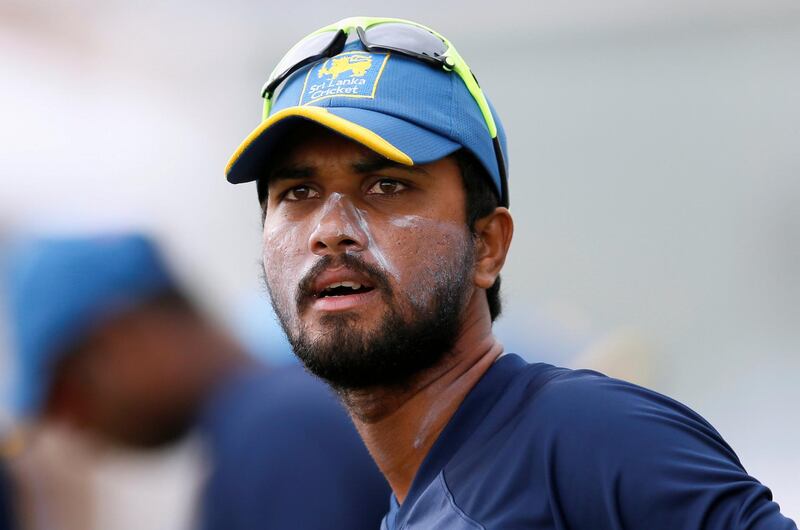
pixel 403 344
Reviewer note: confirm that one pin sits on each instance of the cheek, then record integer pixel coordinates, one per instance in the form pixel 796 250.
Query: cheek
pixel 283 244
pixel 421 239
pixel 425 252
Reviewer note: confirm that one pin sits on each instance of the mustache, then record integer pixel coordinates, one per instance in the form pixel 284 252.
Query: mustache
pixel 305 290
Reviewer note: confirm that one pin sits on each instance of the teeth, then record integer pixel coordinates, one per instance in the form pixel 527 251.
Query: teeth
pixel 351 285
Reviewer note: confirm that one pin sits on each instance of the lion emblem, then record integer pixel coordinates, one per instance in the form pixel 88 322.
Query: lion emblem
pixel 356 64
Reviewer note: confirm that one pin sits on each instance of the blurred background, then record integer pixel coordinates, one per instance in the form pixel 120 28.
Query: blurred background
pixel 654 174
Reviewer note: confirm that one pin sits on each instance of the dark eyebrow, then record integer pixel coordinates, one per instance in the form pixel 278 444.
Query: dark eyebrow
pixel 291 172
pixel 368 165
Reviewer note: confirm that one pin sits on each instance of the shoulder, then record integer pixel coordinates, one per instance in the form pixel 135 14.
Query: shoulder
pixel 586 431
pixel 587 403
pixel 612 450
pixel 586 392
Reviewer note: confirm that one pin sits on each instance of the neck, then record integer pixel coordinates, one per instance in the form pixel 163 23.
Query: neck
pixel 400 424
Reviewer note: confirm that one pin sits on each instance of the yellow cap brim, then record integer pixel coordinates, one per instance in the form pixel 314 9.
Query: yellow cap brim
pixel 319 115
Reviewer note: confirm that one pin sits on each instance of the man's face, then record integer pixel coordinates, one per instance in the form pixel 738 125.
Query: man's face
pixel 369 264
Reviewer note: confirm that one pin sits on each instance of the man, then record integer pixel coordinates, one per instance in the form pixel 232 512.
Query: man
pixel 118 368
pixel 381 173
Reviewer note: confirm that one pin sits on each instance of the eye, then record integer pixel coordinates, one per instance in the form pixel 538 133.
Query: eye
pixel 301 193
pixel 386 187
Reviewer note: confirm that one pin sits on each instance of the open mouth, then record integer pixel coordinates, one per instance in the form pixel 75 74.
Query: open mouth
pixel 344 289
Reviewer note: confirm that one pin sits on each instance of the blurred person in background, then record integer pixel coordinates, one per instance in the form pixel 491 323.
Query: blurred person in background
pixel 129 395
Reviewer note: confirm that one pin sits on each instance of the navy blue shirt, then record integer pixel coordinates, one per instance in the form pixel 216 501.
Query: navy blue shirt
pixel 537 447
pixel 286 455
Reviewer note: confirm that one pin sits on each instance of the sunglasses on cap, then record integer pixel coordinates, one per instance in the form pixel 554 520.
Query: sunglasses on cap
pixel 387 35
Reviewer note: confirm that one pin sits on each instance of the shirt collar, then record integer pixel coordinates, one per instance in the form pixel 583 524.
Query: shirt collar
pixel 467 418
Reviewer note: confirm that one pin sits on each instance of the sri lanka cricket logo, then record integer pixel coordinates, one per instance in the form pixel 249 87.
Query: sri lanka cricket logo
pixel 350 74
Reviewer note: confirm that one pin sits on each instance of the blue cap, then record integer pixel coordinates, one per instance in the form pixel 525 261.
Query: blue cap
pixel 399 107
pixel 59 289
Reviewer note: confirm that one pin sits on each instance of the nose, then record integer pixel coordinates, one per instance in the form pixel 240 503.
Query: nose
pixel 340 228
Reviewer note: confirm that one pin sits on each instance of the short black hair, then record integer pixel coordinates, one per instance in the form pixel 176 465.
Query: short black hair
pixel 481 199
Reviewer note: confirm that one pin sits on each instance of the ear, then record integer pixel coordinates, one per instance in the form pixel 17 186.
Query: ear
pixel 493 233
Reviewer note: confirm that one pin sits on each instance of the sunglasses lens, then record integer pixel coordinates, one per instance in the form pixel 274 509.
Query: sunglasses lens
pixel 303 51
pixel 405 37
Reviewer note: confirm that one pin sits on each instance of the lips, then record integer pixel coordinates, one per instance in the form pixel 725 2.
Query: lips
pixel 341 289
pixel 341 282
